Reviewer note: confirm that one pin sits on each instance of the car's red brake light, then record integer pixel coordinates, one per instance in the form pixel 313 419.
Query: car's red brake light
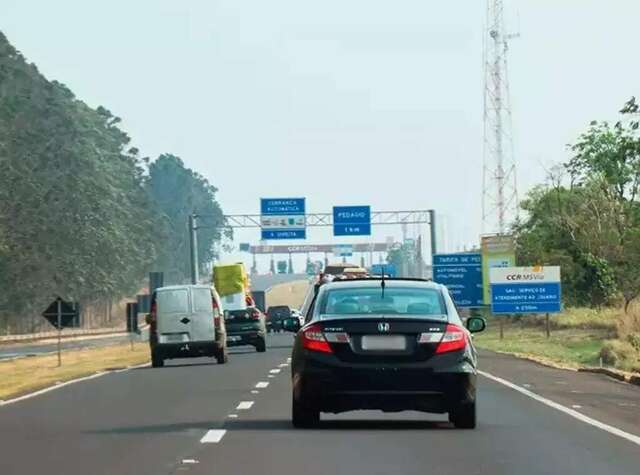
pixel 313 339
pixel 454 339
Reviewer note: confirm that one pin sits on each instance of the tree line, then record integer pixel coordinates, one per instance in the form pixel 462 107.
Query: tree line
pixel 82 214
pixel 586 217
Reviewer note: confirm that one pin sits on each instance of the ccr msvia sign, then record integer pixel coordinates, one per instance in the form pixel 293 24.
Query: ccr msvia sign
pixel 525 290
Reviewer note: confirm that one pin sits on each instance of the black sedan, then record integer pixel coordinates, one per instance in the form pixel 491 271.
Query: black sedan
pixel 392 345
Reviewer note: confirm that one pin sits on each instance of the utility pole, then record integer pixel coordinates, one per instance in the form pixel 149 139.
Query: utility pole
pixel 499 194
pixel 193 241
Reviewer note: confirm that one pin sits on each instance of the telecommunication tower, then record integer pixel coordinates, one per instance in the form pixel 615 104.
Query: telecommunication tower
pixel 499 190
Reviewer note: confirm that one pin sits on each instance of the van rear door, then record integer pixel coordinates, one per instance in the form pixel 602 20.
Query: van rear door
pixel 202 323
pixel 173 315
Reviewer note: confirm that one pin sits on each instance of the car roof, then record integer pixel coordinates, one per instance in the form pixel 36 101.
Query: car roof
pixel 376 281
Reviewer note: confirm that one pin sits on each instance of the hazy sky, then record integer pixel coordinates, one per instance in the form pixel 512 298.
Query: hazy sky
pixel 340 101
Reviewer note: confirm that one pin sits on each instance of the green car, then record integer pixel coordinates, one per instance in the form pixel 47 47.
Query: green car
pixel 246 327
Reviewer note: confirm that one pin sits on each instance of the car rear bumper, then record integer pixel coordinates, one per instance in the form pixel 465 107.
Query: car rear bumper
pixel 389 388
pixel 187 349
pixel 245 337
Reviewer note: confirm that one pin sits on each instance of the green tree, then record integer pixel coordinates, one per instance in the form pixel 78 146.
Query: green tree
pixel 177 192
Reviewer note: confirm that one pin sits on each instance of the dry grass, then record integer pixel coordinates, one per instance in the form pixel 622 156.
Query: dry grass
pixel 291 294
pixel 24 375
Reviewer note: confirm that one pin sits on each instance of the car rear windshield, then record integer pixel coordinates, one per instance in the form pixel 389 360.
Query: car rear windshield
pixel 280 312
pixel 173 301
pixel 202 300
pixel 395 301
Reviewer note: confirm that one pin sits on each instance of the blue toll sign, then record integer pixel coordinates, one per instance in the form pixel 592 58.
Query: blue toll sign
pixel 461 273
pixel 283 218
pixel 351 220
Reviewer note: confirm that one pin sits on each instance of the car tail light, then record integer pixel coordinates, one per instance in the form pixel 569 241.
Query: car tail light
pixel 454 339
pixel 255 315
pixel 313 339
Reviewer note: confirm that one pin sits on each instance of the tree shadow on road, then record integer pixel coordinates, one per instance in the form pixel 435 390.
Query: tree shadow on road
pixel 277 425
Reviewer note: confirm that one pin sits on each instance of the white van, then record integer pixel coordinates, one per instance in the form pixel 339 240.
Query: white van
pixel 185 322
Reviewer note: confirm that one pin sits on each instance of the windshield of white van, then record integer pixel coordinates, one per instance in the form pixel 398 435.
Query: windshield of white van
pixel 173 301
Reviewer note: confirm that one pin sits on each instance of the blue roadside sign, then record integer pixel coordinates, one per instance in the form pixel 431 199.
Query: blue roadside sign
pixel 283 218
pixel 351 220
pixel 461 273
pixel 525 290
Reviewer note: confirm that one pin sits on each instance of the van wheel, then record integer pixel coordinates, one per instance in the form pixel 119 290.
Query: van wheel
pixel 222 356
pixel 261 346
pixel 156 360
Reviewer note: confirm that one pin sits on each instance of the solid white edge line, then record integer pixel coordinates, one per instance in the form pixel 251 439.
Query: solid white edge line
pixel 262 384
pixel 58 385
pixel 575 414
pixel 213 436
pixel 244 405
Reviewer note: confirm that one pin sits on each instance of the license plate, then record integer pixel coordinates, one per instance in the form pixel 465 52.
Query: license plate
pixel 173 338
pixel 384 342
pixel 234 338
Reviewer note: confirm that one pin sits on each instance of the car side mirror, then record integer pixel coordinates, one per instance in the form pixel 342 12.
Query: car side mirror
pixel 291 325
pixel 475 324
pixel 147 319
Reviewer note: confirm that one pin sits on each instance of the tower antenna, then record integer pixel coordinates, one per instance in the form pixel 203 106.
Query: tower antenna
pixel 499 185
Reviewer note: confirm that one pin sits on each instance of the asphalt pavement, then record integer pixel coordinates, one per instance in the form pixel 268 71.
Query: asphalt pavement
pixel 197 417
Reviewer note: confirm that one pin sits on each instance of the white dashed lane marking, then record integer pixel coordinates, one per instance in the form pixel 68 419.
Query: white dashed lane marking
pixel 245 405
pixel 275 371
pixel 213 436
pixel 255 392
pixel 232 416
pixel 262 384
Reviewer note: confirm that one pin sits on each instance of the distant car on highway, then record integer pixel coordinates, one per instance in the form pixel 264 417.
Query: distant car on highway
pixel 185 321
pixel 246 327
pixel 295 313
pixel 276 314
pixel 392 345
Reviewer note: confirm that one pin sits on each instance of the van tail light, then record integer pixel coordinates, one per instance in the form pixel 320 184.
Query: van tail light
pixel 216 312
pixel 454 339
pixel 255 315
pixel 313 339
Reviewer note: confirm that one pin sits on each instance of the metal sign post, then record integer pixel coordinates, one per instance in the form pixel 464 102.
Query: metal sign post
pixel 59 320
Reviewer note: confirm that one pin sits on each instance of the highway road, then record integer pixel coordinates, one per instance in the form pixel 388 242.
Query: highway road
pixel 196 417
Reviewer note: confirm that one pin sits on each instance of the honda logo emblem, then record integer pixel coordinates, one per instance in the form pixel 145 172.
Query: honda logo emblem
pixel 383 327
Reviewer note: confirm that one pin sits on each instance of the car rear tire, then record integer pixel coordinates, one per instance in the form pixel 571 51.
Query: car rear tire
pixel 156 360
pixel 261 346
pixel 303 417
pixel 222 356
pixel 464 416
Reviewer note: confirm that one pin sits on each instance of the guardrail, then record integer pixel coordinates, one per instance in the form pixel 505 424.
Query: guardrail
pixel 65 334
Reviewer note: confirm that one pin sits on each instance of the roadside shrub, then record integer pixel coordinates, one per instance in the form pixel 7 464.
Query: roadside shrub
pixel 628 324
pixel 634 339
pixel 620 354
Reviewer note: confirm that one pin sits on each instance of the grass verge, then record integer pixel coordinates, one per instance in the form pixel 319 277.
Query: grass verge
pixel 579 338
pixel 25 375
